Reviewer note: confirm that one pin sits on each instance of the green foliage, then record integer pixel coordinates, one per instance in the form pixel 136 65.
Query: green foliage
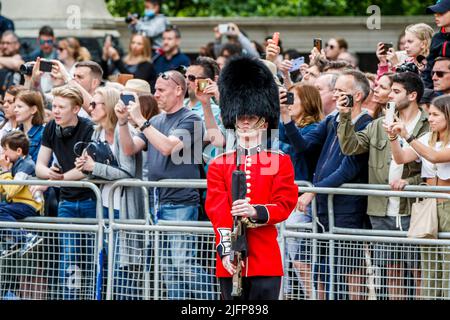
pixel 278 8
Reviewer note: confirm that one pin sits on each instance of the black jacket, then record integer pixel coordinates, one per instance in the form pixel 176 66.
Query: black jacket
pixel 145 71
pixel 440 47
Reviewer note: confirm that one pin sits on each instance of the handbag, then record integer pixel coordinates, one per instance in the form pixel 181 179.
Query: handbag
pixel 424 219
pixel 100 152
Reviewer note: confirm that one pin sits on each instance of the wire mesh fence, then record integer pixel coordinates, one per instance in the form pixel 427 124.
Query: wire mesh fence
pixel 61 265
pixel 165 265
pixel 366 269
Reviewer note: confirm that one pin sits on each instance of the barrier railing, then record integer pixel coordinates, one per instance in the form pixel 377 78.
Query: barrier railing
pixel 66 262
pixel 175 260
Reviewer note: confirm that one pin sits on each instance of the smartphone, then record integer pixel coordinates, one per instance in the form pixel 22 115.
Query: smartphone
pixel 223 28
pixel 386 47
pixel 57 166
pixel 202 84
pixel 296 64
pixel 349 103
pixel 390 111
pixel 289 98
pixel 276 38
pixel 46 66
pixel 318 44
pixel 127 98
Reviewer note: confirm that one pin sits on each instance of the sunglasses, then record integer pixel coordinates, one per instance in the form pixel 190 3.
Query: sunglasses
pixel 94 104
pixel 61 49
pixel 42 42
pixel 167 76
pixel 192 78
pixel 439 74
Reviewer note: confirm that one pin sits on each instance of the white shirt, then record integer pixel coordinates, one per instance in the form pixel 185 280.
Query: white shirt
pixel 432 170
pixel 396 170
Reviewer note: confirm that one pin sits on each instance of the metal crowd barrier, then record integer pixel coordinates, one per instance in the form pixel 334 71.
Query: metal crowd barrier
pixel 44 273
pixel 176 260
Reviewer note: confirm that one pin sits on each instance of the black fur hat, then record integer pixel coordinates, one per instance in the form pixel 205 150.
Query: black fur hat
pixel 247 87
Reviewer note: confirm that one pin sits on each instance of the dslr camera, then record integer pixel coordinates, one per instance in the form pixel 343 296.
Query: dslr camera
pixel 407 67
pixel 26 69
pixel 131 16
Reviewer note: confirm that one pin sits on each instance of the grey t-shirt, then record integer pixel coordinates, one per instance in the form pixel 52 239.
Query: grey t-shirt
pixel 184 164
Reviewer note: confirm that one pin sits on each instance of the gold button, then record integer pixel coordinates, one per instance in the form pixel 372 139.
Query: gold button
pixel 247 199
pixel 249 185
pixel 248 172
pixel 248 177
pixel 248 191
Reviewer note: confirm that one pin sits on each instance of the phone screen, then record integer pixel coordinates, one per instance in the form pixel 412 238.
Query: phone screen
pixel 127 98
pixel 289 98
pixel 45 66
pixel 223 28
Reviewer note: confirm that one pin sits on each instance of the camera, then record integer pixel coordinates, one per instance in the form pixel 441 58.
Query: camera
pixel 131 16
pixel 349 103
pixel 407 67
pixel 26 69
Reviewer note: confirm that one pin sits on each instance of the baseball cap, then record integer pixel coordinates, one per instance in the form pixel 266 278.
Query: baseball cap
pixel 441 6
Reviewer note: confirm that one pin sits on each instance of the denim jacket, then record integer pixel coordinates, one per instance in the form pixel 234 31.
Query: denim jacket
pixel 35 137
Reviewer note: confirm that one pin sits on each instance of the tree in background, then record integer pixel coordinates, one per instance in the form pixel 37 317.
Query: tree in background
pixel 278 8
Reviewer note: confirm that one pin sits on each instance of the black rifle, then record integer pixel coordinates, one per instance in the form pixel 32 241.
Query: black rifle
pixel 238 235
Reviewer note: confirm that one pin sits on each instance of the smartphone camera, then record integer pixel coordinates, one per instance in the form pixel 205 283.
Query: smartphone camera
pixel 46 66
pixel 127 98
pixel 289 98
pixel 349 103
pixel 202 84
pixel 386 47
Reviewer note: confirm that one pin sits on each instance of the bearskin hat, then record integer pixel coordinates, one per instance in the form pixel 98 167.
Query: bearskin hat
pixel 247 87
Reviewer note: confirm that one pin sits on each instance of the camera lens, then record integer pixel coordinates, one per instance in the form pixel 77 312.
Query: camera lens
pixel 26 69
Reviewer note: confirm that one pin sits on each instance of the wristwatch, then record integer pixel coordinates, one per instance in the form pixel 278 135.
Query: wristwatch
pixel 145 125
pixel 411 138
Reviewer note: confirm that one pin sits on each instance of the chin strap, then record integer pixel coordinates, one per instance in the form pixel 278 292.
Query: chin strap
pixel 258 125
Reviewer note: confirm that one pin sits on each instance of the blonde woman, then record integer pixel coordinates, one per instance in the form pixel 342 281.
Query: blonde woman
pixel 417 47
pixel 137 62
pixel 433 150
pixel 70 52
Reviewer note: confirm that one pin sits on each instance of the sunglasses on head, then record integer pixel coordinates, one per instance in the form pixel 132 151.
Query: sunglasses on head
pixel 439 74
pixel 167 76
pixel 42 41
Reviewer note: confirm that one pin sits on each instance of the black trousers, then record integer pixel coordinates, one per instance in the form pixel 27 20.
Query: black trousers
pixel 254 288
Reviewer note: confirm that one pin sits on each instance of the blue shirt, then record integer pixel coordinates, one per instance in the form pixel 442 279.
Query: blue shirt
pixel 162 64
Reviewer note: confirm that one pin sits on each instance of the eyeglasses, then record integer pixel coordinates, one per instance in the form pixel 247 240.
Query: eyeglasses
pixel 167 76
pixel 42 41
pixel 439 74
pixel 7 43
pixel 94 104
pixel 192 78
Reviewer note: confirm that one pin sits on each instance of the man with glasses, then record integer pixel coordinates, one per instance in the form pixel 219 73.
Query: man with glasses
pixel 441 75
pixel 203 102
pixel 389 213
pixel 46 42
pixel 10 57
pixel 334 169
pixel 173 140
pixel 170 56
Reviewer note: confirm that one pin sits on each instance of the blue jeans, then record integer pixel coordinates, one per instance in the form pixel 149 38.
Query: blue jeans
pixel 76 250
pixel 183 276
pixel 11 212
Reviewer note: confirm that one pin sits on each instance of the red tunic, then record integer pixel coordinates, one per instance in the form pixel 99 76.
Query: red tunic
pixel 270 184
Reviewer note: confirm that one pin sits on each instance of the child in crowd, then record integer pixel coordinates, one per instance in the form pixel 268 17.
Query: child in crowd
pixel 17 165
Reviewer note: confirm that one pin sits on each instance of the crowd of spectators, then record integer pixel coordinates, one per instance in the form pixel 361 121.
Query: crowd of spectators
pixel 332 125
